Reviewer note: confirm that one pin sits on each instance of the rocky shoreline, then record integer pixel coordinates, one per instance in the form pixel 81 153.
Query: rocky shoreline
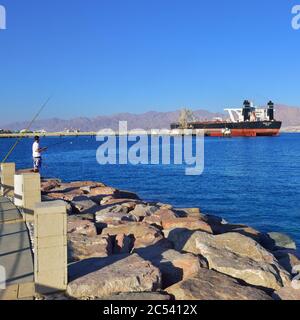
pixel 123 248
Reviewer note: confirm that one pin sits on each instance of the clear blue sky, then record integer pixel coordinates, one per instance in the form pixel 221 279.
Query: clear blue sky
pixel 109 56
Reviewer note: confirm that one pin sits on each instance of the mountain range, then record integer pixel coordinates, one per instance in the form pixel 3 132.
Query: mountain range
pixel 290 116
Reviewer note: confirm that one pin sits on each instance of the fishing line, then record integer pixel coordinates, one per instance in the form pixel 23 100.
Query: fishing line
pixel 27 129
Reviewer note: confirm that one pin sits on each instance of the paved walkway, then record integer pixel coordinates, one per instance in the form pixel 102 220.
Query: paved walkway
pixel 15 254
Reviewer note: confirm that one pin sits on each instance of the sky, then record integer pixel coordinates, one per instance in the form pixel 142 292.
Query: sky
pixel 99 57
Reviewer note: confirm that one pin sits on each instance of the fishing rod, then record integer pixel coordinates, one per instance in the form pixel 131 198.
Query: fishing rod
pixel 30 124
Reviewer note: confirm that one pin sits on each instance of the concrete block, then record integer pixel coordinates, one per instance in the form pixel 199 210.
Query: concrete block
pixel 48 242
pixel 50 225
pixel 49 207
pixel 27 193
pixel 50 259
pixel 7 179
pixel 51 282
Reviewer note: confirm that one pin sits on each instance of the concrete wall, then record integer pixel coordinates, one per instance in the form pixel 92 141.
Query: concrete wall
pixel 27 193
pixel 50 253
pixel 7 179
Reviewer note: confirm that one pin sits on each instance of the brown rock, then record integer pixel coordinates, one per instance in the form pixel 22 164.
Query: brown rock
pixel 49 184
pixel 186 223
pixel 288 292
pixel 257 273
pixel 102 190
pixel 211 285
pixel 233 254
pixel 130 274
pixel 144 296
pixel 288 261
pixel 189 212
pixel 142 210
pixel 82 247
pixel 143 234
pixel 159 216
pixel 84 205
pixel 82 227
pixel 173 265
pixel 123 243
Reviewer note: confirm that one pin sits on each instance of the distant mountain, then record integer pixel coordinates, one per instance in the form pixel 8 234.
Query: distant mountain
pixel 149 120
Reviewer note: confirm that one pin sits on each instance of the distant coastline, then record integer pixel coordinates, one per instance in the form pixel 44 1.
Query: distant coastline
pixel 93 133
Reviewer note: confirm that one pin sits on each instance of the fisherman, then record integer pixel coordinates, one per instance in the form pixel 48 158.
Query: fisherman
pixel 36 154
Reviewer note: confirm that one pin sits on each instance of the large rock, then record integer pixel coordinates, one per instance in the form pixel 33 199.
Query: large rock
pixel 160 216
pixel 188 223
pixel 130 274
pixel 115 213
pixel 173 265
pixel 280 241
pixel 233 254
pixel 253 272
pixel 49 184
pixel 211 285
pixel 82 247
pixel 287 260
pixel 144 234
pixel 81 227
pixel 144 296
pixel 141 210
pixel 83 205
pixel 189 212
pixel 287 293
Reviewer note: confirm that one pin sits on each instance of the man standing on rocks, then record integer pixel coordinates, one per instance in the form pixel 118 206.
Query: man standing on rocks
pixel 36 154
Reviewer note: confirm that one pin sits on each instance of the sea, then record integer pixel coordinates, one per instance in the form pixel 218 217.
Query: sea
pixel 253 181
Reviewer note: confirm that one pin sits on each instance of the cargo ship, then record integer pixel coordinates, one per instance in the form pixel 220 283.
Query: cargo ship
pixel 248 121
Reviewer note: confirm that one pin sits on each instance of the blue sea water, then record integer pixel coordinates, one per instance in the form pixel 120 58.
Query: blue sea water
pixel 255 181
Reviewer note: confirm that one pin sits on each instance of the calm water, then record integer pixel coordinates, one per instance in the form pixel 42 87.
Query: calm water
pixel 255 181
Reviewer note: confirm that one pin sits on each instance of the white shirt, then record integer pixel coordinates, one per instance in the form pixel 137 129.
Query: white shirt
pixel 35 148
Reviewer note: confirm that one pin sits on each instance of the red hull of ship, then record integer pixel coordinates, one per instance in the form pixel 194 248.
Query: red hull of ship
pixel 244 132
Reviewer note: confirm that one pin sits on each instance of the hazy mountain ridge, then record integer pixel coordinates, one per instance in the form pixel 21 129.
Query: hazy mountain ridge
pixel 290 117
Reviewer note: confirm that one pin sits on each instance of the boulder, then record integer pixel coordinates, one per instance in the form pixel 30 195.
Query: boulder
pixel 49 184
pixel 280 241
pixel 144 235
pixel 159 216
pixel 67 196
pixel 233 254
pixel 81 227
pixel 144 296
pixel 189 212
pixel 123 243
pixel 142 210
pixel 252 272
pixel 126 195
pixel 130 274
pixel 114 213
pixel 82 247
pixel 211 285
pixel 287 293
pixel 288 261
pixel 188 223
pixel 83 205
pixel 173 265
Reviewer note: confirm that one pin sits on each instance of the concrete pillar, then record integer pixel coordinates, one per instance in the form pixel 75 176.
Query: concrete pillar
pixel 50 246
pixel 27 193
pixel 7 179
